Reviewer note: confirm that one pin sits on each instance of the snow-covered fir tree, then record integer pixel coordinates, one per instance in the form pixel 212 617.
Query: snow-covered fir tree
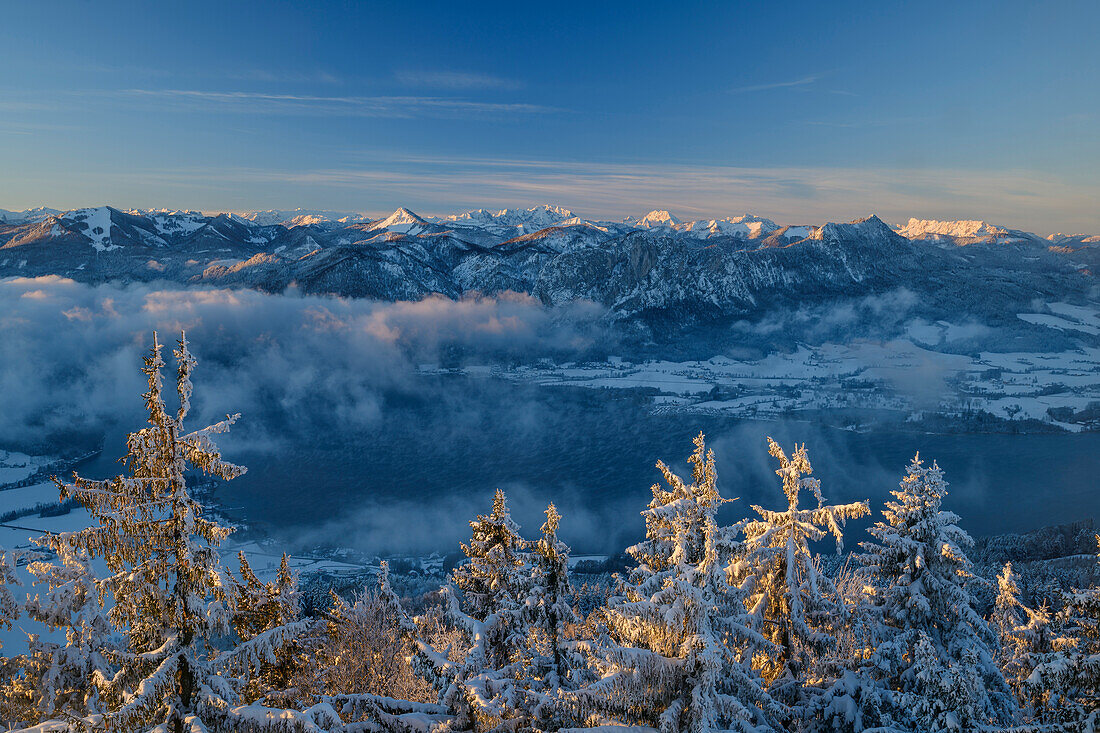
pixel 557 667
pixel 171 596
pixel 497 563
pixel 852 694
pixel 1008 613
pixel 14 704
pixel 9 607
pixel 1064 684
pixel 64 679
pixel 487 689
pixel 792 603
pixel 267 620
pixel 1025 640
pixel 934 653
pixel 1039 644
pixel 681 642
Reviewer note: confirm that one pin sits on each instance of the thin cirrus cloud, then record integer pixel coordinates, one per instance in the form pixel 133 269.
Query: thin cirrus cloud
pixel 360 106
pixel 456 80
pixel 880 122
pixel 804 81
pixel 285 77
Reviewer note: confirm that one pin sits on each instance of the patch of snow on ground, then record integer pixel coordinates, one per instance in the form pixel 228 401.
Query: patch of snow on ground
pixel 1044 319
pixel 17 466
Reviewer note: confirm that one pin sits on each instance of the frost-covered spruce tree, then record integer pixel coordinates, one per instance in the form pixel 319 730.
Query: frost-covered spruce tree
pixel 681 641
pixel 1008 613
pixel 267 622
pixel 929 629
pixel 13 697
pixel 485 600
pixel 1038 664
pixel 557 667
pixel 497 563
pixel 170 593
pixel 854 697
pixel 793 604
pixel 9 607
pixel 64 679
pixel 951 697
pixel 1064 685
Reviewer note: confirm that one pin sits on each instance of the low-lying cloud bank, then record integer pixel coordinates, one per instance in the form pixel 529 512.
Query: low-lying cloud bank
pixel 70 352
pixel 348 445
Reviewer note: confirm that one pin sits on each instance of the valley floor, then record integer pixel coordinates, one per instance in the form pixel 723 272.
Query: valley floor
pixel 903 379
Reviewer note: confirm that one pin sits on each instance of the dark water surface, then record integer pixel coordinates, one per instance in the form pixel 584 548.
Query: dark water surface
pixel 413 479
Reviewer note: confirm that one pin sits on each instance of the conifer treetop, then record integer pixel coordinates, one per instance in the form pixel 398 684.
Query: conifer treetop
pixel 171 594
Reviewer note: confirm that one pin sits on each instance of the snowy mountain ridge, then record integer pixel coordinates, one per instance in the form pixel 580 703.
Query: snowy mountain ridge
pixel 546 215
pixel 538 217
pixel 962 231
pixel 27 215
pixel 658 268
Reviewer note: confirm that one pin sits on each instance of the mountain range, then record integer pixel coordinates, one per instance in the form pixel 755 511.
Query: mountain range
pixel 651 271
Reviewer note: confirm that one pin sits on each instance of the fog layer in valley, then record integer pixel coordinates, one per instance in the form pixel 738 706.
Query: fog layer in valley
pixel 386 426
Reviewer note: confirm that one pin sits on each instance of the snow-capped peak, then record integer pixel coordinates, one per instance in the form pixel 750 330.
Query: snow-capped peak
pixel 534 218
pixel 302 217
pixel 94 223
pixel 746 226
pixel 932 228
pixel 40 213
pixel 963 231
pixel 401 220
pixel 657 218
pixel 870 229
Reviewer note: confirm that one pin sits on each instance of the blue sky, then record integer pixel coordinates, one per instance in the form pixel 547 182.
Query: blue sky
pixel 797 111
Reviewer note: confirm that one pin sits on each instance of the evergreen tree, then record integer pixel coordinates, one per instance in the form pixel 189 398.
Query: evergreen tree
pixel 15 699
pixel 1008 613
pixel 933 651
pixel 267 620
pixel 557 666
pixel 1064 685
pixel 65 679
pixel 9 607
pixel 497 556
pixel 951 697
pixel 680 638
pixel 1040 667
pixel 853 696
pixel 486 602
pixel 794 605
pixel 170 594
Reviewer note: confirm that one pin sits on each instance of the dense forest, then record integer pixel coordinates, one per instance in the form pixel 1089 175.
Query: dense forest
pixel 714 627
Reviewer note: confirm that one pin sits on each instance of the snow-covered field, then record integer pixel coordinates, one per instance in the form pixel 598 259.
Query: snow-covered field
pixel 907 375
pixel 18 466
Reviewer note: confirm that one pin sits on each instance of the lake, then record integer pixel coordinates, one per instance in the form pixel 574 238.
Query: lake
pixel 412 479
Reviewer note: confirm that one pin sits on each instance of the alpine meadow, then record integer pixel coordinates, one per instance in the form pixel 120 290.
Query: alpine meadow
pixel 408 367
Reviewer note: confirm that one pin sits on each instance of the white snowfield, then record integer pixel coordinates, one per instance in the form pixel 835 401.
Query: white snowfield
pixel 98 221
pixel 16 466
